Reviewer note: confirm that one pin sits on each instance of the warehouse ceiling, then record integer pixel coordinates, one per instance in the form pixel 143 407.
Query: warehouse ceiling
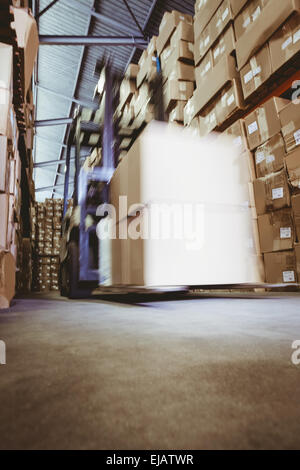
pixel 65 75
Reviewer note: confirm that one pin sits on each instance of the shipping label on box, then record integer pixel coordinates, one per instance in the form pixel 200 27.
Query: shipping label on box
pixel 276 231
pixel 293 167
pixel 281 267
pixel 272 192
pixel 285 43
pixel 256 72
pixel 269 157
pixel 290 122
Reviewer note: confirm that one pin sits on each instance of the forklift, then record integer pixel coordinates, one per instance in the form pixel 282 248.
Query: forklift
pixel 79 251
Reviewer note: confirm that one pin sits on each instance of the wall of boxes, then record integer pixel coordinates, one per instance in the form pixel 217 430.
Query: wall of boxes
pixel 17 57
pixel 221 70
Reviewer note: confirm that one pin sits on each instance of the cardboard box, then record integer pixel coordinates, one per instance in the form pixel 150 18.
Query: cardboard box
pixel 274 14
pixel 293 167
pixel 204 9
pixel 167 27
pixel 272 192
pixel 132 71
pixel 224 46
pixel 176 91
pixel 281 267
pixel 248 15
pixel 238 132
pixel 182 50
pixel 7 279
pixel 214 81
pixel 290 122
pixel 180 71
pixel 189 111
pixel 177 113
pixel 184 32
pixel 28 40
pixel 256 71
pixel 297 254
pixel 276 231
pixel 230 101
pixel 164 261
pixel 203 68
pixel 296 214
pixel 208 121
pixel 4 168
pixel 269 157
pixel 142 98
pixel 285 43
pixel 263 123
pixel 4 209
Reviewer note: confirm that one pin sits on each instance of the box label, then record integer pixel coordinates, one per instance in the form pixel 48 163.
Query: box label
pixel 238 142
pixel 246 22
pixel 285 232
pixel 248 77
pixel 206 42
pixel 225 14
pixel 297 137
pixel 256 14
pixel 256 71
pixel 287 43
pixel 270 158
pixel 252 128
pixel 288 276
pixel 296 36
pixel 260 156
pixel 230 100
pixel 277 193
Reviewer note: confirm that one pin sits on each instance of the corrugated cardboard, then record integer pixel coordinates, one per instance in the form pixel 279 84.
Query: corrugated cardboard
pixel 230 101
pixel 167 27
pixel 269 157
pixel 205 9
pixel 7 279
pixel 177 113
pixel 271 18
pixel 184 32
pixel 224 46
pixel 256 71
pixel 203 68
pixel 285 43
pixel 290 122
pixel 183 50
pixel 132 71
pixel 189 110
pixel 176 91
pixel 276 231
pixel 272 192
pixel 4 199
pixel 214 81
pixel 4 168
pixel 264 122
pixel 281 267
pixel 127 89
pixel 208 121
pixel 297 253
pixel 164 261
pixel 180 71
pixel 293 167
pixel 28 41
pixel 249 14
pixel 296 213
pixel 238 132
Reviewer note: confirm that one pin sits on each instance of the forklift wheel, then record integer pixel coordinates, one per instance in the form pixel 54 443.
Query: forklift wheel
pixel 76 290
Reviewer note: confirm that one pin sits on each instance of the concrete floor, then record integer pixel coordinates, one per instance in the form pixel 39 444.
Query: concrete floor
pixel 209 373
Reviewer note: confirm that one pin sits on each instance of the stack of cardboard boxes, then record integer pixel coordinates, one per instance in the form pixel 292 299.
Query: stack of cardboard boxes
pixel 48 219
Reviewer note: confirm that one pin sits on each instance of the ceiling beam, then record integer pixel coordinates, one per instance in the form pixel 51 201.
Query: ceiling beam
pixel 56 162
pixel 134 17
pixel 136 41
pixel 53 122
pixel 145 25
pixel 102 18
pixel 50 5
pixel 86 104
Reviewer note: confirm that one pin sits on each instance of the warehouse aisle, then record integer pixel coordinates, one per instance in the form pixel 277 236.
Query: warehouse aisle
pixel 208 373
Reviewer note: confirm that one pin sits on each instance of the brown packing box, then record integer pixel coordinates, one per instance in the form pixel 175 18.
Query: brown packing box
pixel 281 267
pixel 189 110
pixel 183 51
pixel 269 157
pixel 248 15
pixel 177 113
pixel 215 80
pixel 256 71
pixel 285 43
pixel 290 122
pixel 127 89
pixel 296 214
pixel 28 41
pixel 6 60
pixel 168 25
pixel 152 46
pixel 4 164
pixel 203 68
pixel 176 91
pixel 271 18
pixel 224 46
pixel 208 122
pixel 293 167
pixel 143 68
pixel 142 98
pixel 204 9
pixel 7 278
pixel 272 192
pixel 264 122
pixel 132 71
pixel 4 207
pixel 276 231
pixel 176 70
pixel 238 131
pixel 230 101
pixel 184 32
pixel 297 253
